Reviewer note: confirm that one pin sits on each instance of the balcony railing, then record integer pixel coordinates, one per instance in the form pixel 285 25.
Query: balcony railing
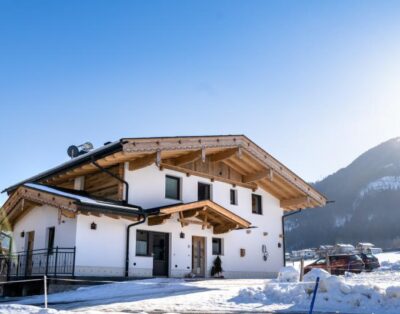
pixel 51 262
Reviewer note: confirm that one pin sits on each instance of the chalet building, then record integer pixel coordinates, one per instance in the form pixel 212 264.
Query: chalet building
pixel 143 207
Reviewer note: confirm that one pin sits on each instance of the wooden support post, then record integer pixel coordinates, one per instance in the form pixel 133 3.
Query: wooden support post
pixel 302 269
pixel 328 263
pixel 204 225
pixel 158 158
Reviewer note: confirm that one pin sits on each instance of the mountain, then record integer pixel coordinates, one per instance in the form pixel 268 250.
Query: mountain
pixel 366 207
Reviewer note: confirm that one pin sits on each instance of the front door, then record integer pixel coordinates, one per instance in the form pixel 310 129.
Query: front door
pixel 198 256
pixel 30 237
pixel 160 253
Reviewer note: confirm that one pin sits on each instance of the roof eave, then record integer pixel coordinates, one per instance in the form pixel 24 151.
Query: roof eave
pixel 96 154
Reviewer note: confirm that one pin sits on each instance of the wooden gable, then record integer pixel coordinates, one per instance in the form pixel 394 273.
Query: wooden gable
pixel 232 159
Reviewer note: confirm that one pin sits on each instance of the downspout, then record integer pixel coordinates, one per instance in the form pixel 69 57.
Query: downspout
pixel 142 215
pixel 283 233
pixel 128 228
pixel 115 177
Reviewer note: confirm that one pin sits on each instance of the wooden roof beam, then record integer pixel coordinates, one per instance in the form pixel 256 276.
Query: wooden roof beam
pixel 268 173
pixel 223 229
pixel 293 202
pixel 208 176
pixel 225 154
pixel 192 213
pixel 112 216
pixel 188 158
pixel 157 220
pixel 142 161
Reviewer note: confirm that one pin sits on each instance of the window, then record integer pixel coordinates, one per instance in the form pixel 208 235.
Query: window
pixel 256 204
pixel 172 188
pixel 233 197
pixel 50 239
pixel 204 191
pixel 142 243
pixel 216 246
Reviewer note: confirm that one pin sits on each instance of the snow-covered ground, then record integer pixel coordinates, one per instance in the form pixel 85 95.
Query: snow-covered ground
pixel 376 292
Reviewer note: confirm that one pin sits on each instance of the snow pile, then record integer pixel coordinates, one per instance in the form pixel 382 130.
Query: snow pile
pixel 335 293
pixel 389 266
pixel 288 274
pixel 312 275
pixel 23 309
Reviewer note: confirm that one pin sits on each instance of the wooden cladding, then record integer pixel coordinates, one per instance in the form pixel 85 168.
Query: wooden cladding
pixel 233 159
pixel 24 199
pixel 68 184
pixel 103 185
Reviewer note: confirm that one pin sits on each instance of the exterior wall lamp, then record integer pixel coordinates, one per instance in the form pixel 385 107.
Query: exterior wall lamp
pixel 93 226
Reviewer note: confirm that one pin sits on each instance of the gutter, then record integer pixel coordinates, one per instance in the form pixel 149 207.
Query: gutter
pixel 128 228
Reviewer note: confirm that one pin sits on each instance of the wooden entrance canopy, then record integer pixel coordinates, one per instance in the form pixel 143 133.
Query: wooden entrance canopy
pixel 206 213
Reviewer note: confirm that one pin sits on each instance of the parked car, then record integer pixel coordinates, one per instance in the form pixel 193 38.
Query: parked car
pixel 339 264
pixel 370 261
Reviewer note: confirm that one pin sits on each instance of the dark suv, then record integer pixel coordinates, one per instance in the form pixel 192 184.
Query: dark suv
pixel 370 261
pixel 339 264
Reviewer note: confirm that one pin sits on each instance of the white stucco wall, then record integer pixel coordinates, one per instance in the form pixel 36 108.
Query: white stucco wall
pixel 101 252
pixel 39 219
pixel 147 189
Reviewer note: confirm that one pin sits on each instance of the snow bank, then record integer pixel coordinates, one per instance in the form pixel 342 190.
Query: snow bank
pixel 314 273
pixel 288 274
pixel 389 266
pixel 23 309
pixel 335 293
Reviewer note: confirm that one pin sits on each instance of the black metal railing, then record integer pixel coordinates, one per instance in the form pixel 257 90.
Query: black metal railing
pixel 55 262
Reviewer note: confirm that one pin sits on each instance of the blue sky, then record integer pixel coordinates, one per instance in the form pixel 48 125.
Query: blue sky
pixel 315 83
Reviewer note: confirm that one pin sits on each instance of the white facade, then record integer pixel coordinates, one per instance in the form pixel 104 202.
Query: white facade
pixel 101 252
pixel 39 219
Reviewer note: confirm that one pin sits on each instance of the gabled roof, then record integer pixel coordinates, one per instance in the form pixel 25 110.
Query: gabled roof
pixel 234 159
pixel 207 213
pixel 69 202
pixel 83 198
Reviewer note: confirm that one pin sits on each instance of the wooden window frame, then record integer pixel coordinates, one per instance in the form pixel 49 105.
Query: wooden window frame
pixel 221 246
pixel 259 210
pixel 235 196
pixel 211 191
pixel 50 238
pixel 148 254
pixel 179 187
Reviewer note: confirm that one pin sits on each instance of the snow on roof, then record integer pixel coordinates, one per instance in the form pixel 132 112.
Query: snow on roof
pixel 81 198
pixel 344 245
pixel 365 244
